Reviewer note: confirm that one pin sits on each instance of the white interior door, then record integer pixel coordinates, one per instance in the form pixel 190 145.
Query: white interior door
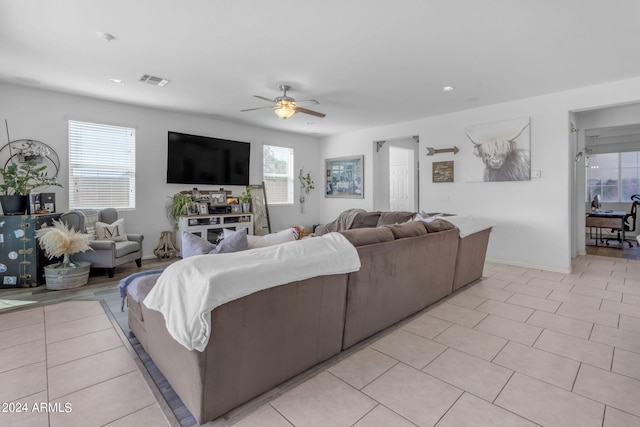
pixel 400 179
pixel 395 172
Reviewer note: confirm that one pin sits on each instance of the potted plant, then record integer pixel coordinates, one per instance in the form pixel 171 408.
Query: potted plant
pixel 245 199
pixel 62 241
pixel 178 206
pixel 18 180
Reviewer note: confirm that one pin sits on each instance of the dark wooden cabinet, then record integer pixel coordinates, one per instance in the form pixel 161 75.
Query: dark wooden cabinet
pixel 21 259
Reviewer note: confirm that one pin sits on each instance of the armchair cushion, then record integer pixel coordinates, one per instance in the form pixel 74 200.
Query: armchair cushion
pixel 126 247
pixel 114 232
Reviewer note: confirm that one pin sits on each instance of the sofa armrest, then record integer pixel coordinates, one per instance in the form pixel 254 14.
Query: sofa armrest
pixel 135 237
pixel 102 245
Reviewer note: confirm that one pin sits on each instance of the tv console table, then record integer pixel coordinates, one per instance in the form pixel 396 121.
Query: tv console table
pixel 210 226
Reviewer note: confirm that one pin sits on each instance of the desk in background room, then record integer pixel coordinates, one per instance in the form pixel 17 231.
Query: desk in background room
pixel 606 219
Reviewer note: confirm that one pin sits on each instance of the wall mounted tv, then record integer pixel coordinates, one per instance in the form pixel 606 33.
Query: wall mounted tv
pixel 196 159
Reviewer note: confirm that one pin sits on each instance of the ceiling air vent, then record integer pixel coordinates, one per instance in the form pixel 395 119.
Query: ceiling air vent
pixel 153 80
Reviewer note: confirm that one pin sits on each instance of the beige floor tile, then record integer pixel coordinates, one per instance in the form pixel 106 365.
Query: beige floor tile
pixel 409 348
pixel 566 325
pixel 22 355
pixel 17 319
pixel 151 416
pixel 472 374
pixel 466 300
pixel 606 276
pixel 616 338
pixel 68 304
pixel 555 370
pixel 480 290
pixel 631 279
pixel 621 308
pixel 597 293
pixel 613 389
pixel 534 291
pixel 550 284
pixel 548 405
pixel 616 418
pixel 470 411
pixel 545 275
pixel 632 290
pixel 593 353
pixel 30 418
pixel 588 314
pixel 499 279
pixel 88 371
pixel 456 314
pixel 427 326
pixel 534 303
pixel 75 328
pixel 83 346
pixel 323 400
pixel 266 416
pixel 360 368
pixel 631 299
pixel 509 329
pixel 381 416
pixel 24 381
pixel 508 311
pixel 78 311
pixel 629 323
pixel 416 396
pixel 626 363
pixel 104 402
pixel 511 269
pixel 584 282
pixel 21 335
pixel 476 343
pixel 576 299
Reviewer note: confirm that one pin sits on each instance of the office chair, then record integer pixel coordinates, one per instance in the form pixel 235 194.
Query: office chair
pixel 629 221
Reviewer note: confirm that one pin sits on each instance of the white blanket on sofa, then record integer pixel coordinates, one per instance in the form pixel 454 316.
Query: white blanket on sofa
pixel 189 289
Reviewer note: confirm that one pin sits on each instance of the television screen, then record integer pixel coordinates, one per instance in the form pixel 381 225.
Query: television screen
pixel 196 159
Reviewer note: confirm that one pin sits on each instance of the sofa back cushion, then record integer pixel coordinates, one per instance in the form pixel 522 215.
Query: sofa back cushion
pixel 368 236
pixel 365 220
pixel 407 229
pixel 438 225
pixel 388 218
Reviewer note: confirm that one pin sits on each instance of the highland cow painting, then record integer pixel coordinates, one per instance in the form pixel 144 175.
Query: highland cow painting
pixel 501 151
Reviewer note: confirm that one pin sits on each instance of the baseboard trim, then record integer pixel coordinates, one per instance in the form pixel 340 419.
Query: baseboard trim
pixel 531 266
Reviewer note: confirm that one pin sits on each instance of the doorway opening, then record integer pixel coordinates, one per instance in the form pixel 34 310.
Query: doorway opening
pixel 396 175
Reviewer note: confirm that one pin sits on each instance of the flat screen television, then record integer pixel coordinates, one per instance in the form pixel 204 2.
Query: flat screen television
pixel 196 159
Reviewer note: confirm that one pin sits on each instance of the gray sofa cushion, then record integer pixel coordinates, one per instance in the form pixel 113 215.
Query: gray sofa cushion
pixel 368 236
pixel 387 218
pixel 438 225
pixel 407 229
pixel 365 220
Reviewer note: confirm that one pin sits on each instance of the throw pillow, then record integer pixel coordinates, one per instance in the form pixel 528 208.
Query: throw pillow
pixel 439 225
pixel 234 242
pixel 284 236
pixel 114 232
pixel 90 219
pixel 193 245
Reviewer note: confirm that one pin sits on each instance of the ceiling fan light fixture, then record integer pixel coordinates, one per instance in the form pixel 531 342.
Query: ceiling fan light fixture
pixel 285 110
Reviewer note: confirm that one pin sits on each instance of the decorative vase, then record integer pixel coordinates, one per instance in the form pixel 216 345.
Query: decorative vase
pixel 246 207
pixel 14 204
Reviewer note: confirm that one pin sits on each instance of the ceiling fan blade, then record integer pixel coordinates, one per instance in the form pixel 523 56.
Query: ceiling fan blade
pixel 253 109
pixel 311 112
pixel 307 102
pixel 262 97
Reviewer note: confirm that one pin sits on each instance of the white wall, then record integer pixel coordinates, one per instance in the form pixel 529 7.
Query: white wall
pixel 533 218
pixel 43 115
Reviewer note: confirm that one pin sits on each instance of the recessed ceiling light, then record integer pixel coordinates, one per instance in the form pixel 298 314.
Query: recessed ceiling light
pixel 117 81
pixel 447 88
pixel 106 36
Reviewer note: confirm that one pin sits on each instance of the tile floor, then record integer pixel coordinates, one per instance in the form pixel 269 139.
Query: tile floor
pixel 71 356
pixel 520 348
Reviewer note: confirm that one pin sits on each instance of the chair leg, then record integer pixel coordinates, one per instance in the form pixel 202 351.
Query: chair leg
pixel 111 272
pixel 139 262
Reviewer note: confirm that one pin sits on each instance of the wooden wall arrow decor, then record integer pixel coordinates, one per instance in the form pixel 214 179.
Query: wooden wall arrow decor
pixel 431 151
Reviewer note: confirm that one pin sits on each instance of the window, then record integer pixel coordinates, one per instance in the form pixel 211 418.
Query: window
pixel 102 166
pixel 277 171
pixel 615 177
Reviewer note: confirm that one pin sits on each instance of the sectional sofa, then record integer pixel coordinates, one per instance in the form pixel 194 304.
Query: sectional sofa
pixel 261 340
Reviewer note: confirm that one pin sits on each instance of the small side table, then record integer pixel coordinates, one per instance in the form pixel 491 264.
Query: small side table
pixel 166 249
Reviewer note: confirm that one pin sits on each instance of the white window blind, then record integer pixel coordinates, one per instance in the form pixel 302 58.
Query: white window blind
pixel 615 177
pixel 102 166
pixel 277 173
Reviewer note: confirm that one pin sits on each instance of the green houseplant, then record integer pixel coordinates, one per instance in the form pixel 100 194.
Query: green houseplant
pixel 178 206
pixel 245 199
pixel 18 180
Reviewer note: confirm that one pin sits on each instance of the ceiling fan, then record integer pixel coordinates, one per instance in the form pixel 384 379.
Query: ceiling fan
pixel 285 106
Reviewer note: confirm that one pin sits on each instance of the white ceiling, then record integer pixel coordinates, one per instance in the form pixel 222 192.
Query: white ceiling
pixel 369 62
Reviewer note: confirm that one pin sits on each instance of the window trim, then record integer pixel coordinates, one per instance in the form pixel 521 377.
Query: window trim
pixel 290 176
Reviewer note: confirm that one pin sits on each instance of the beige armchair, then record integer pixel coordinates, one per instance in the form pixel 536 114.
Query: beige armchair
pixel 106 253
